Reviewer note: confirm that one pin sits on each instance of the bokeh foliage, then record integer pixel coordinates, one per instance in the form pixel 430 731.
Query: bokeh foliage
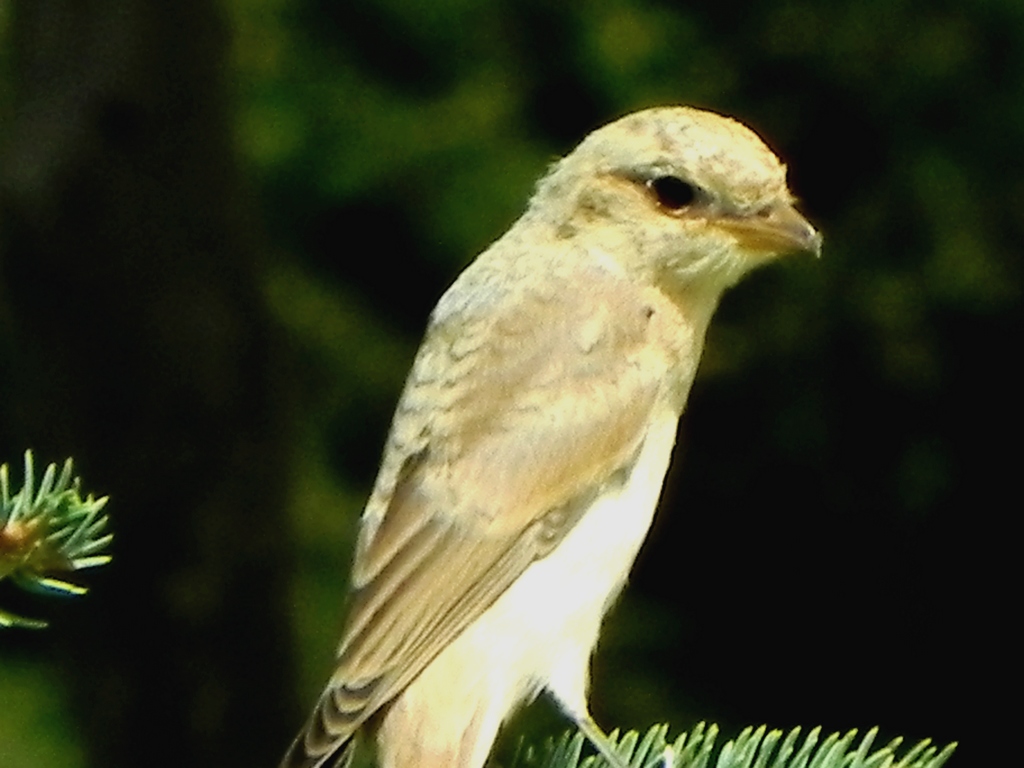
pixel 846 431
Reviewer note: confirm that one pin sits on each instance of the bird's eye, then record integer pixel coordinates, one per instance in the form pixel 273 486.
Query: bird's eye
pixel 672 193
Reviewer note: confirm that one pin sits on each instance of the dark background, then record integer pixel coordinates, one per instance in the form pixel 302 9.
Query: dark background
pixel 222 226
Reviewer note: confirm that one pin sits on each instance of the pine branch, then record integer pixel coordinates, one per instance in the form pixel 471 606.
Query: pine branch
pixel 47 532
pixel 753 748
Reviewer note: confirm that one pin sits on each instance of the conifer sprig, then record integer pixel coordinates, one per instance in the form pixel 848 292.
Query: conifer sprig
pixel 47 532
pixel 753 748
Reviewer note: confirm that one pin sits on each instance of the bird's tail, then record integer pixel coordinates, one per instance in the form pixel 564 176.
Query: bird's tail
pixel 302 754
pixel 328 740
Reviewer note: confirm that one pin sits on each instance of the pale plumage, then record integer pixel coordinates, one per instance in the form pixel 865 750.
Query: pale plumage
pixel 530 443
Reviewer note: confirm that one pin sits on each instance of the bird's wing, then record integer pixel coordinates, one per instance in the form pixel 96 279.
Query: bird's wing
pixel 510 422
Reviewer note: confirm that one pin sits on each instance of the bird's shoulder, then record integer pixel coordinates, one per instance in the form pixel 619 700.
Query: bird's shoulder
pixel 547 315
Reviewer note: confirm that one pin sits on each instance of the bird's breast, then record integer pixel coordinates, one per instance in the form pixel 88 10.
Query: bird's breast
pixel 543 629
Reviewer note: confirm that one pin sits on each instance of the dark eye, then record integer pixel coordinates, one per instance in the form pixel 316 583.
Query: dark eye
pixel 672 193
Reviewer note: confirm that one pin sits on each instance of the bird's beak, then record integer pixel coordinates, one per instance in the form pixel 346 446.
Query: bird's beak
pixel 778 230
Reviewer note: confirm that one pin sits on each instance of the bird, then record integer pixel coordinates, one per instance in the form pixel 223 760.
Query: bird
pixel 530 443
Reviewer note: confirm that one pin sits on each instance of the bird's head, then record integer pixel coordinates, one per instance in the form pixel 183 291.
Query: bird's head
pixel 683 198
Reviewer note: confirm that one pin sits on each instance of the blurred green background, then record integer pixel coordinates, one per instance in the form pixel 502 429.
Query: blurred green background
pixel 222 227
